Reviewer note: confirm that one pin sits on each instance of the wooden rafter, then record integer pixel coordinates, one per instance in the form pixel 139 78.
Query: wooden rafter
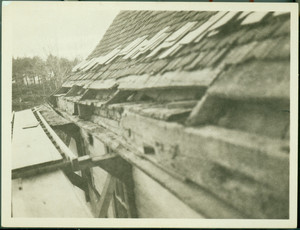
pixel 106 196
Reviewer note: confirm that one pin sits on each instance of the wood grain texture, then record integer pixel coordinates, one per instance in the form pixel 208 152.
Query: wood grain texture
pixel 255 168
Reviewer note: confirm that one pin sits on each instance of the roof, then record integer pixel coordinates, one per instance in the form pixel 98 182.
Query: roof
pixel 235 55
pixel 168 41
pixel 216 84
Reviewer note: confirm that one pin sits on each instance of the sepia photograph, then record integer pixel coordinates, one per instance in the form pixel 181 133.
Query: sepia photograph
pixel 154 114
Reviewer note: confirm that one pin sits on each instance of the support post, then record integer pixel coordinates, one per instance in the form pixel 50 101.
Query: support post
pixel 106 196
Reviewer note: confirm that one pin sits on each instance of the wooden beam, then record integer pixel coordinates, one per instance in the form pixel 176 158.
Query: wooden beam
pixel 246 167
pixel 68 153
pixel 72 131
pixel 116 166
pixel 106 196
pixel 86 173
pixel 119 96
pixel 37 169
pixel 68 140
pixel 195 196
pixel 52 118
pixel 76 180
pixel 130 198
pixel 111 163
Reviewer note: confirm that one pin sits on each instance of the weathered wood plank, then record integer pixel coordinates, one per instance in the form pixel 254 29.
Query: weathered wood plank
pixel 118 96
pixel 47 195
pixel 106 196
pixel 38 169
pixel 68 153
pixel 251 79
pixel 263 117
pixel 260 159
pixel 168 80
pixel 52 117
pixel 232 148
pixel 30 146
pixel 257 199
pixel 173 111
pixel 196 197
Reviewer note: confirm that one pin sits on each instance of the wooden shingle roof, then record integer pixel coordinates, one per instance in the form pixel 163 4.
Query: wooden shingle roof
pixel 233 38
pixel 209 91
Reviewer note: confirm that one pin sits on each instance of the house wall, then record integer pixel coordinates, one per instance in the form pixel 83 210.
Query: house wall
pixel 210 156
pixel 96 148
pixel 152 200
pixel 80 194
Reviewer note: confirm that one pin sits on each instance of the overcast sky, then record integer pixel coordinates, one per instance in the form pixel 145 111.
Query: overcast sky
pixel 64 29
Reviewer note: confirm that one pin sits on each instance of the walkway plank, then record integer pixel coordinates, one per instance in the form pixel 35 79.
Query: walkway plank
pixel 30 144
pixel 47 195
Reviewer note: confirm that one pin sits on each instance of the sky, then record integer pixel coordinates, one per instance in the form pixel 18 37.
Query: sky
pixel 64 29
pixel 71 28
